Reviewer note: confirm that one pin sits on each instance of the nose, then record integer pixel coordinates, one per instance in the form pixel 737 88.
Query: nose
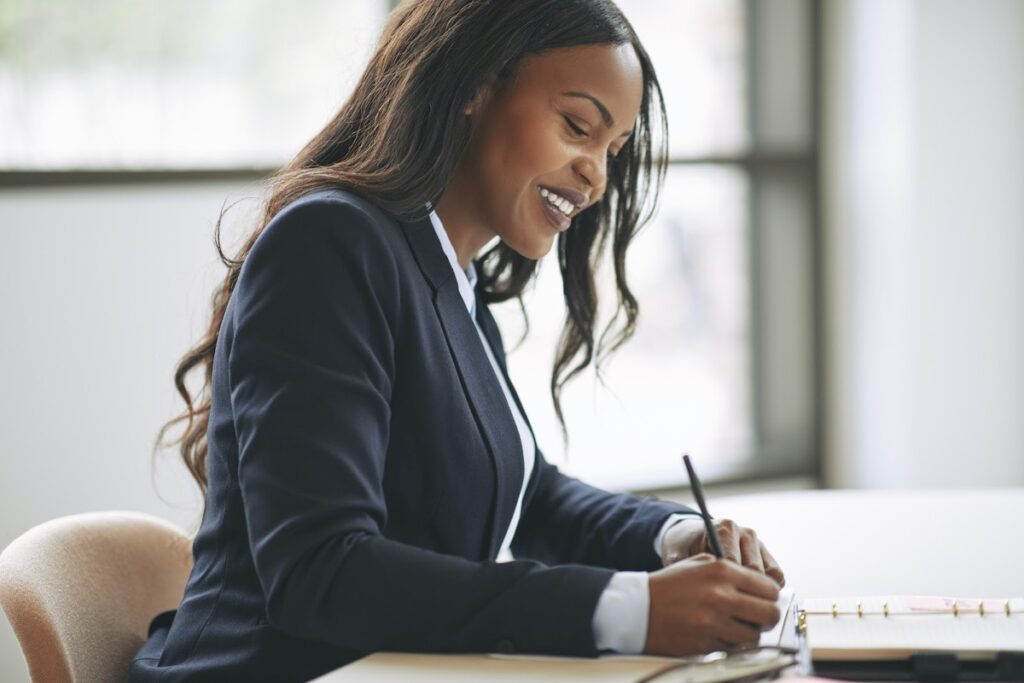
pixel 593 169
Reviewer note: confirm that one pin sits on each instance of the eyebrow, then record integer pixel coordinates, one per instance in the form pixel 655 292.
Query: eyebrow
pixel 606 115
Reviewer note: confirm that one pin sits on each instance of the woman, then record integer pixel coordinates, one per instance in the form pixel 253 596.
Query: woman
pixel 363 452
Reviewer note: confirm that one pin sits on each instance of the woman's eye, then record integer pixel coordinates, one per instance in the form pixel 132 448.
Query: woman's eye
pixel 575 129
pixel 579 131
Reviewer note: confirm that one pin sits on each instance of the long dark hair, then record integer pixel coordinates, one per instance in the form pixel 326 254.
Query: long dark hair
pixel 400 136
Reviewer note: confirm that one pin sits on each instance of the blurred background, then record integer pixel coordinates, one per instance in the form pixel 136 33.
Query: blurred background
pixel 832 291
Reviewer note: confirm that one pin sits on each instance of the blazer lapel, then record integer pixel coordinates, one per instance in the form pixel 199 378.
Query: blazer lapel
pixel 490 329
pixel 483 391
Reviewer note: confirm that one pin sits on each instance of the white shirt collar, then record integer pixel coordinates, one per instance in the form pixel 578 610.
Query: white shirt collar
pixel 466 278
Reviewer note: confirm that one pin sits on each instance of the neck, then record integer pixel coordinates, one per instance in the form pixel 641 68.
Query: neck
pixel 459 216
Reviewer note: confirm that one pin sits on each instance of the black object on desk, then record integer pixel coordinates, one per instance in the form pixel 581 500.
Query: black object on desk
pixel 928 668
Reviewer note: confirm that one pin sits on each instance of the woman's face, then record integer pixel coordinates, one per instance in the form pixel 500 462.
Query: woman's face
pixel 554 127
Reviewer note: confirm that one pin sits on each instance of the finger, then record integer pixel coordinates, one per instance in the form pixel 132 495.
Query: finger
pixel 719 645
pixel 751 548
pixel 736 632
pixel 771 567
pixel 753 583
pixel 729 537
pixel 702 557
pixel 755 611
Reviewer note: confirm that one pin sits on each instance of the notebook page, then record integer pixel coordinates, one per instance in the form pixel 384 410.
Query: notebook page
pixel 915 624
pixel 777 635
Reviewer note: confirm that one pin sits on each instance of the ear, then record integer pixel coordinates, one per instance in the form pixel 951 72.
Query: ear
pixel 480 98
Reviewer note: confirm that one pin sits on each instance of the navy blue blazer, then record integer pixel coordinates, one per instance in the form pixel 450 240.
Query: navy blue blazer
pixel 363 467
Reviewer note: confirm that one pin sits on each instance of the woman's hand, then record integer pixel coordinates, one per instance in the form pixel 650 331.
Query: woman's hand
pixel 702 604
pixel 739 544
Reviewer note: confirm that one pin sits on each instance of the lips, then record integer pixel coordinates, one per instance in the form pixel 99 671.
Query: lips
pixel 556 218
pixel 578 199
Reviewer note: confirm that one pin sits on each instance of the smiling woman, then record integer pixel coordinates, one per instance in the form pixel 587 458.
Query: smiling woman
pixel 364 454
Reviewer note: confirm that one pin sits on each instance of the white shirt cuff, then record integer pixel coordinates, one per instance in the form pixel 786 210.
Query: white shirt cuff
pixel 620 619
pixel 671 521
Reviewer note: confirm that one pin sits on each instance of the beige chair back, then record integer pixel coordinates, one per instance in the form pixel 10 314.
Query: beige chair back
pixel 80 591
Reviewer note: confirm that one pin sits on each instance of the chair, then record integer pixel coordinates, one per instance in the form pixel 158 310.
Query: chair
pixel 80 591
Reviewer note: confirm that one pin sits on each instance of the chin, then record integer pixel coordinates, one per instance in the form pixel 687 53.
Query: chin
pixel 540 249
pixel 534 249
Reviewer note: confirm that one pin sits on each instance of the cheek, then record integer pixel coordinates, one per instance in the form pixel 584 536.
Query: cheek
pixel 539 152
pixel 525 148
pixel 513 161
pixel 514 155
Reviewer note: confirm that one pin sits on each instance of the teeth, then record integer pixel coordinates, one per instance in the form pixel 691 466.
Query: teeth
pixel 561 203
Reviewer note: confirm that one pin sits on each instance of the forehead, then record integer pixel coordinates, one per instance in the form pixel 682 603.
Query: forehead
pixel 611 73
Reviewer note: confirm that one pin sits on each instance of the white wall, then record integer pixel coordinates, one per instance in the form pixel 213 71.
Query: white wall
pixel 924 191
pixel 101 292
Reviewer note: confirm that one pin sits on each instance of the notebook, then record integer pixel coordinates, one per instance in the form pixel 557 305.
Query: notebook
pixel 898 627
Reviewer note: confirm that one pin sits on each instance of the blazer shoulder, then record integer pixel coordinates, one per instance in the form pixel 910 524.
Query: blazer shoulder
pixel 337 208
pixel 332 223
pixel 327 239
pixel 339 196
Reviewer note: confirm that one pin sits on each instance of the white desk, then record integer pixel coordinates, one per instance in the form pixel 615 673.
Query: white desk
pixel 829 543
pixel 832 543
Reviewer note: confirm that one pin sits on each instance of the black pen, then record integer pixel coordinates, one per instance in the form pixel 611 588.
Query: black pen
pixel 698 493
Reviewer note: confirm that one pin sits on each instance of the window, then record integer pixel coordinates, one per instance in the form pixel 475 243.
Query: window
pixel 723 364
pixel 188 84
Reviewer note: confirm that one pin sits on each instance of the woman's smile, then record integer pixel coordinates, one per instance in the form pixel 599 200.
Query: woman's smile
pixel 555 216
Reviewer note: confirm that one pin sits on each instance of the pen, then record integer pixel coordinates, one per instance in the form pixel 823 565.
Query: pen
pixel 698 493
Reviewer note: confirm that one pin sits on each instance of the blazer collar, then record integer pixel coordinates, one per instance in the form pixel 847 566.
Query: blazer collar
pixel 427 251
pixel 465 278
pixel 486 399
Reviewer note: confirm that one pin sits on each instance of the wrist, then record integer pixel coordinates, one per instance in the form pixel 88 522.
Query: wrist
pixel 676 543
pixel 670 521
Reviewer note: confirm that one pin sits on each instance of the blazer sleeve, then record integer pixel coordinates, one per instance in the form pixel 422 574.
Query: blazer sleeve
pixel 569 521
pixel 311 371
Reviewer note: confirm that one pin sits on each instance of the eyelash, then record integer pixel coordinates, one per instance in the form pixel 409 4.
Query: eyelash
pixel 579 131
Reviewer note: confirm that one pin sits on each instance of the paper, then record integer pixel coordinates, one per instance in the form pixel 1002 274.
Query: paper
pixel 778 634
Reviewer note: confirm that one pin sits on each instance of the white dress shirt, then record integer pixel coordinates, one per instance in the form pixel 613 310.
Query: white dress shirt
pixel 620 618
